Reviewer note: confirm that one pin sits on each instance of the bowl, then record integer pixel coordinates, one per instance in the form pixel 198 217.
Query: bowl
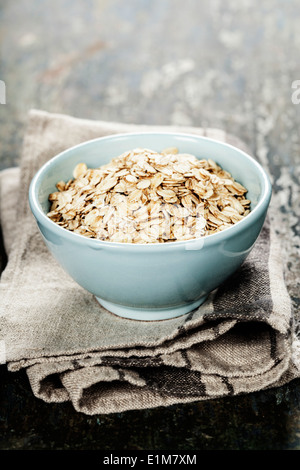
pixel 155 281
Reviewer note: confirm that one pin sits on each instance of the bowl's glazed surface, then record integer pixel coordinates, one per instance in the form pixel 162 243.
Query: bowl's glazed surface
pixel 153 281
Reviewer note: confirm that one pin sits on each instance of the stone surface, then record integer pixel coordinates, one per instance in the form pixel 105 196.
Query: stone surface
pixel 219 64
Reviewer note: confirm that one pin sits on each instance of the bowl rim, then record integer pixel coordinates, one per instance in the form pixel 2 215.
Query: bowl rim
pixel 258 211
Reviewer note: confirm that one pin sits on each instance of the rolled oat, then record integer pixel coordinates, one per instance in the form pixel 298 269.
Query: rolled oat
pixel 143 196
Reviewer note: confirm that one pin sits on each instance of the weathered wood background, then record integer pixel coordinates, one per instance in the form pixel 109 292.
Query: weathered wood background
pixel 228 64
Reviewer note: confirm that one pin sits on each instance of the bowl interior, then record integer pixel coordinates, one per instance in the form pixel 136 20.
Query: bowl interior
pixel 100 151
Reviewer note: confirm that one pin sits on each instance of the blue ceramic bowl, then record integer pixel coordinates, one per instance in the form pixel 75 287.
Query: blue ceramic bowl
pixel 153 281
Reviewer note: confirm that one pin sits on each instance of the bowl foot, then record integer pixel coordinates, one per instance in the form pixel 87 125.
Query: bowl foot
pixel 150 314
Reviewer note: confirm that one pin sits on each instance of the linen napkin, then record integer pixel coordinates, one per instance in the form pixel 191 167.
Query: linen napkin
pixel 242 339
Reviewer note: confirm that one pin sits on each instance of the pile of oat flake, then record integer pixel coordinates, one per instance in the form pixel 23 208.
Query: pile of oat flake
pixel 143 196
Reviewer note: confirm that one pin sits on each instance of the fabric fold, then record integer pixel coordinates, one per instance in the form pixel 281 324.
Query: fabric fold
pixel 240 340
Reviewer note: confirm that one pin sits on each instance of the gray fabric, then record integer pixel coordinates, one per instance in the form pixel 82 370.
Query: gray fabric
pixel 241 340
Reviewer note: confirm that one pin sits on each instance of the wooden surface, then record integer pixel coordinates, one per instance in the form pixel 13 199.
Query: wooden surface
pixel 202 63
